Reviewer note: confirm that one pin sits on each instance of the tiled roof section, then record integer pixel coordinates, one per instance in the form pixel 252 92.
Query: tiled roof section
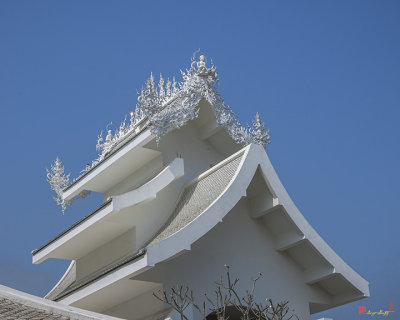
pixel 105 204
pixel 16 304
pixel 10 310
pixel 99 273
pixel 197 197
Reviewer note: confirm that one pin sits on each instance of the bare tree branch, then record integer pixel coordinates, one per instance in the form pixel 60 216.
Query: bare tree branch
pixel 226 298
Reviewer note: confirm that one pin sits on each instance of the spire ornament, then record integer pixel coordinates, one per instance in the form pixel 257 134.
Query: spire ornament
pixel 58 180
pixel 258 133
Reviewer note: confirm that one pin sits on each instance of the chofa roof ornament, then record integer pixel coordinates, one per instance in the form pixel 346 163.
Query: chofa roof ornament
pixel 200 68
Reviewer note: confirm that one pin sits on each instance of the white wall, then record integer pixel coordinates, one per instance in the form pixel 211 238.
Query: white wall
pixel 199 155
pixel 137 178
pixel 139 307
pixel 103 255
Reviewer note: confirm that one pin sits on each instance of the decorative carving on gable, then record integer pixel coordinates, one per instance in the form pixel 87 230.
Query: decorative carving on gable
pixel 170 105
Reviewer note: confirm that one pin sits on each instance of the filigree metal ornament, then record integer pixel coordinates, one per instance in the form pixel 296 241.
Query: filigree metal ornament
pixel 166 107
pixel 58 181
pixel 172 112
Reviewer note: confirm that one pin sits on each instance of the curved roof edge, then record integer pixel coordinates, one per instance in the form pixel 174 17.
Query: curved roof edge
pixel 147 191
pixel 68 277
pixel 255 157
pixel 253 160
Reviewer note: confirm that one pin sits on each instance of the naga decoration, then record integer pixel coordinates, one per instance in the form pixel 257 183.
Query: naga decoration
pixel 168 107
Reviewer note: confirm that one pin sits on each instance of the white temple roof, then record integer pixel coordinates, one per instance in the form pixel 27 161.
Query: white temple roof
pixel 196 207
pixel 158 111
pixel 204 203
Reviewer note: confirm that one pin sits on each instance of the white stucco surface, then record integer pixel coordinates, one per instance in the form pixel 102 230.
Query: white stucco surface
pixel 150 189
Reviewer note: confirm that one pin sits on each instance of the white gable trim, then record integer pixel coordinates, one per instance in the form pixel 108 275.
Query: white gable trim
pixel 254 157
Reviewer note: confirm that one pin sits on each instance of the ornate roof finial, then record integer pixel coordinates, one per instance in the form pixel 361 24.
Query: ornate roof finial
pixel 200 69
pixel 109 136
pixel 201 64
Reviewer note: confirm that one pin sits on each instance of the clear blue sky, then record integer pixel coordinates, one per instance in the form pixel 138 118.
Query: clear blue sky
pixel 324 76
